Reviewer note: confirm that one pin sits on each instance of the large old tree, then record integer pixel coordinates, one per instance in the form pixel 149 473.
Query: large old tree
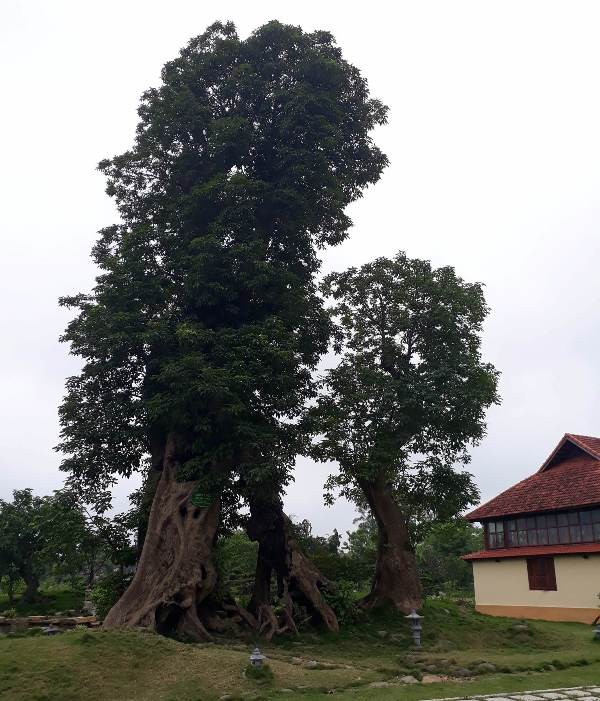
pixel 404 403
pixel 204 325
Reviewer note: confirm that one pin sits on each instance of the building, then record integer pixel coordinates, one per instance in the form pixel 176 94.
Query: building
pixel 542 540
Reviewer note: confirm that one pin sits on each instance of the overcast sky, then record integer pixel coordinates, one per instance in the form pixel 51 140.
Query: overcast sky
pixel 494 143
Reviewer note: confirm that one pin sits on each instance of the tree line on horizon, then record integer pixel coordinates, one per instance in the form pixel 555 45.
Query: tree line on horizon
pixel 51 544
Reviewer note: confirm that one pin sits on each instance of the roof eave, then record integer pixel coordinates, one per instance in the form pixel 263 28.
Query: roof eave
pixel 572 439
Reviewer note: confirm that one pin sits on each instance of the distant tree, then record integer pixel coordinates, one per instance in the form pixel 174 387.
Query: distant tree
pixel 38 534
pixel 362 541
pixel 302 531
pixel 204 325
pixel 438 556
pixel 404 403
pixel 9 575
pixel 107 542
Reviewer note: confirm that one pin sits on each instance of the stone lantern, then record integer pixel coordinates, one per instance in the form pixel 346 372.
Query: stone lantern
pixel 256 658
pixel 415 626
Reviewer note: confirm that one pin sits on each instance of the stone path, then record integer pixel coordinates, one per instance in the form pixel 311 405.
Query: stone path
pixel 575 693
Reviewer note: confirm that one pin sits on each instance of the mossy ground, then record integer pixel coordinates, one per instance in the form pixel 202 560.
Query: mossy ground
pixel 103 666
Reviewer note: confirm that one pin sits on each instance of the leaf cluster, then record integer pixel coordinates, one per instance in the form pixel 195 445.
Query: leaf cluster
pixel 205 319
pixel 410 391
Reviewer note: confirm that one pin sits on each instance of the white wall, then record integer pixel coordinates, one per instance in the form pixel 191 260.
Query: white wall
pixel 505 583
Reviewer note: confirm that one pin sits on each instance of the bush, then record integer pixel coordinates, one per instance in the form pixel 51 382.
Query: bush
pixel 262 674
pixel 342 600
pixel 9 613
pixel 108 591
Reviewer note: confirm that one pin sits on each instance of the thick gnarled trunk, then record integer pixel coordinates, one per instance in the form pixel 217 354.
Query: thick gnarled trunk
pixel 396 580
pixel 297 578
pixel 175 573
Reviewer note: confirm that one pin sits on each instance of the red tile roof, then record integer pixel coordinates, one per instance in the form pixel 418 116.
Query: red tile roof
pixel 533 551
pixel 569 478
pixel 588 444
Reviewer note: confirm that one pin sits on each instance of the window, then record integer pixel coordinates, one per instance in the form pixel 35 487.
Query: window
pixel 495 532
pixel 540 571
pixel 561 528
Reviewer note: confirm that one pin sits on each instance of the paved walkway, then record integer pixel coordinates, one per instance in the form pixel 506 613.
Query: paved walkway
pixel 575 693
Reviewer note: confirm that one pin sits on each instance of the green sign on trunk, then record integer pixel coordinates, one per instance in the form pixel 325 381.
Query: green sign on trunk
pixel 201 500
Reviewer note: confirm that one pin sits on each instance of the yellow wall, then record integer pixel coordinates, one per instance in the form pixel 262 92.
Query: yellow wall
pixel 505 584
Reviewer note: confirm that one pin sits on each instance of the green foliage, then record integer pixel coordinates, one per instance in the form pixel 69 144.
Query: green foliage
pixel 205 322
pixel 39 535
pixel 56 539
pixel 338 564
pixel 410 391
pixel 262 674
pixel 108 591
pixel 9 613
pixel 108 542
pixel 343 600
pixel 438 556
pixel 235 557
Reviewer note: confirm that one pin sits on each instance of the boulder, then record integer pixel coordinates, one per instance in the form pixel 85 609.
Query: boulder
pixel 485 667
pixel 431 679
pixel 409 679
pixel 462 672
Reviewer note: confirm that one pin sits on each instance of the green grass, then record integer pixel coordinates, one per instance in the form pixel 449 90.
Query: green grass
pixel 52 600
pixel 493 684
pixel 102 666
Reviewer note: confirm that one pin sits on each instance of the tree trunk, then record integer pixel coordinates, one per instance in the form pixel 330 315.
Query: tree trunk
pixel 10 590
pixel 145 505
pixel 32 584
pixel 297 578
pixel 91 575
pixel 175 573
pixel 396 580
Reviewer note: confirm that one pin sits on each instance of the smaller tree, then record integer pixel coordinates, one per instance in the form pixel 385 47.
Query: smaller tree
pixel 108 542
pixel 361 544
pixel 403 405
pixel 439 556
pixel 37 534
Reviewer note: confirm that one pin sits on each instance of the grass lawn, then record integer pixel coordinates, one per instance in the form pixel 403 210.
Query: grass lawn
pixel 52 600
pixel 110 666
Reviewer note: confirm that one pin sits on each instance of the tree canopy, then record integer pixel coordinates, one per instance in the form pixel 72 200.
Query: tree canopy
pixel 410 391
pixel 205 319
pixel 39 534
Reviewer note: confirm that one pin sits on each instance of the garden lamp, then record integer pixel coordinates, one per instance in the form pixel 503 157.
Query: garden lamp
pixel 256 658
pixel 415 626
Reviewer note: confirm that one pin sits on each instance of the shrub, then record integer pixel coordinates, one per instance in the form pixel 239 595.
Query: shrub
pixel 342 600
pixel 262 674
pixel 108 591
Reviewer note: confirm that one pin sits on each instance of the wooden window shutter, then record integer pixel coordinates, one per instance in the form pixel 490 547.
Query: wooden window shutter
pixel 541 573
pixel 531 573
pixel 550 573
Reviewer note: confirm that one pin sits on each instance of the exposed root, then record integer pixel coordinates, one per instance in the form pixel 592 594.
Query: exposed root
pixel 297 578
pixel 307 579
pixel 175 574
